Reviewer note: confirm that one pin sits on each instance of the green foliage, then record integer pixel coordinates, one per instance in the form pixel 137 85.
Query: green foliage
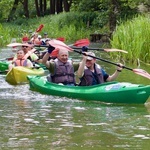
pixel 71 26
pixel 134 36
pixel 5 7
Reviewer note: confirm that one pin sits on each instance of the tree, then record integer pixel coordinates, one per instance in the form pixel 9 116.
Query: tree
pixel 26 10
pixel 67 5
pixel 13 10
pixel 114 4
pixel 59 7
pixel 52 6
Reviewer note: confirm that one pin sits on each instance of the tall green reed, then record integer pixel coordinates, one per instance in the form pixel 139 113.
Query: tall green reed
pixel 133 36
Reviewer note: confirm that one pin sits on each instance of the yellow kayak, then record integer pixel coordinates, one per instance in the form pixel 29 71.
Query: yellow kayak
pixel 18 74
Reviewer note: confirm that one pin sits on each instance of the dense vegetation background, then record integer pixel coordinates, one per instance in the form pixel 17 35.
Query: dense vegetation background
pixel 126 22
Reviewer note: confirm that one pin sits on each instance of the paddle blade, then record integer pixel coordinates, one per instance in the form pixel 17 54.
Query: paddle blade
pixel 142 73
pixel 14 44
pixel 61 39
pixel 115 50
pixel 59 45
pixel 40 28
pixel 82 42
pixel 54 53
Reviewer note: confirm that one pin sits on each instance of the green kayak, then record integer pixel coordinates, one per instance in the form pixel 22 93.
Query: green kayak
pixel 4 65
pixel 111 92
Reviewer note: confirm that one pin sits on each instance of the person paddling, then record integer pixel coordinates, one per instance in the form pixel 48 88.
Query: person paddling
pixel 61 69
pixel 90 73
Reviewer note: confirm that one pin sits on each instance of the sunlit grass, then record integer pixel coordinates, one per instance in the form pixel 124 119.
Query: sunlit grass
pixel 70 26
pixel 134 36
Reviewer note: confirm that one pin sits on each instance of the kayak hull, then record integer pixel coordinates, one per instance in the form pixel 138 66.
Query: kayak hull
pixel 112 92
pixel 18 75
pixel 4 65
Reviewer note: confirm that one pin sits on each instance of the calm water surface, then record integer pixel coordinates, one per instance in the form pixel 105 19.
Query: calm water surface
pixel 32 121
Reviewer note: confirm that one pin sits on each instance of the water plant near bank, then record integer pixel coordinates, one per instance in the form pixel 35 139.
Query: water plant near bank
pixel 133 36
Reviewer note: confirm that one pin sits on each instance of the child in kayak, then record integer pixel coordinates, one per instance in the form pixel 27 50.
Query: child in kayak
pixel 20 60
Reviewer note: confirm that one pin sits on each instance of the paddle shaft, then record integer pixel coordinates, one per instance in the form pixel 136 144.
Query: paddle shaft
pixel 3 72
pixel 89 48
pixel 104 60
pixel 99 49
pixel 93 56
pixel 9 58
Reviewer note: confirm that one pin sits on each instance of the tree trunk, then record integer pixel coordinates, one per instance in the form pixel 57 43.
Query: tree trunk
pixel 113 14
pixel 52 6
pixel 67 5
pixel 37 8
pixel 59 7
pixel 44 7
pixel 26 10
pixel 13 10
pixel 41 8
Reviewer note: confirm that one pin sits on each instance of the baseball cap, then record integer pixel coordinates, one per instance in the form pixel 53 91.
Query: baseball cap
pixel 90 53
pixel 39 36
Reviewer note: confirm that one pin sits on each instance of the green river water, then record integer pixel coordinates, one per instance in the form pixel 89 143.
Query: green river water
pixel 32 121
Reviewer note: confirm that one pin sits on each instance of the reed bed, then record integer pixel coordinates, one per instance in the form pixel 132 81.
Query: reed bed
pixel 133 36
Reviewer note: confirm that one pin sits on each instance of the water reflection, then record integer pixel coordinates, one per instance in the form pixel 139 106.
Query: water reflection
pixel 66 123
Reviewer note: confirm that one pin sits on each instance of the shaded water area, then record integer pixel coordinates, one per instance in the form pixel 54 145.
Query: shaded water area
pixel 33 121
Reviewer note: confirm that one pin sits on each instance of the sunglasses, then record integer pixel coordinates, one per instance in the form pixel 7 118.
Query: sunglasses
pixel 25 46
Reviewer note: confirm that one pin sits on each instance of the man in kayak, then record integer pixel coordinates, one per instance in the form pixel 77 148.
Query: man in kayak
pixel 91 73
pixel 20 60
pixel 62 69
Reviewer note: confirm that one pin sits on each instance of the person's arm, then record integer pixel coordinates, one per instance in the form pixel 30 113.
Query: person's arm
pixel 10 66
pixel 46 56
pixel 82 64
pixel 29 63
pixel 14 59
pixel 115 74
pixel 45 60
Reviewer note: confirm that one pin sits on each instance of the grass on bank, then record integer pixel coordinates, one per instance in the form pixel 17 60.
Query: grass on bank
pixel 72 26
pixel 133 36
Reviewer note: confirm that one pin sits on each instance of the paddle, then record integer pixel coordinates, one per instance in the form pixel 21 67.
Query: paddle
pixel 61 39
pixel 3 72
pixel 39 28
pixel 102 49
pixel 61 45
pixel 85 42
pixel 8 59
pixel 81 42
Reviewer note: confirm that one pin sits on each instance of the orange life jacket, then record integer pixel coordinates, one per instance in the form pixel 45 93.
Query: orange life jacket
pixel 21 62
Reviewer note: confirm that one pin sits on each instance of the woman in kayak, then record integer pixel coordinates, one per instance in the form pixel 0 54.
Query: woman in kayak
pixel 62 69
pixel 20 60
pixel 91 73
